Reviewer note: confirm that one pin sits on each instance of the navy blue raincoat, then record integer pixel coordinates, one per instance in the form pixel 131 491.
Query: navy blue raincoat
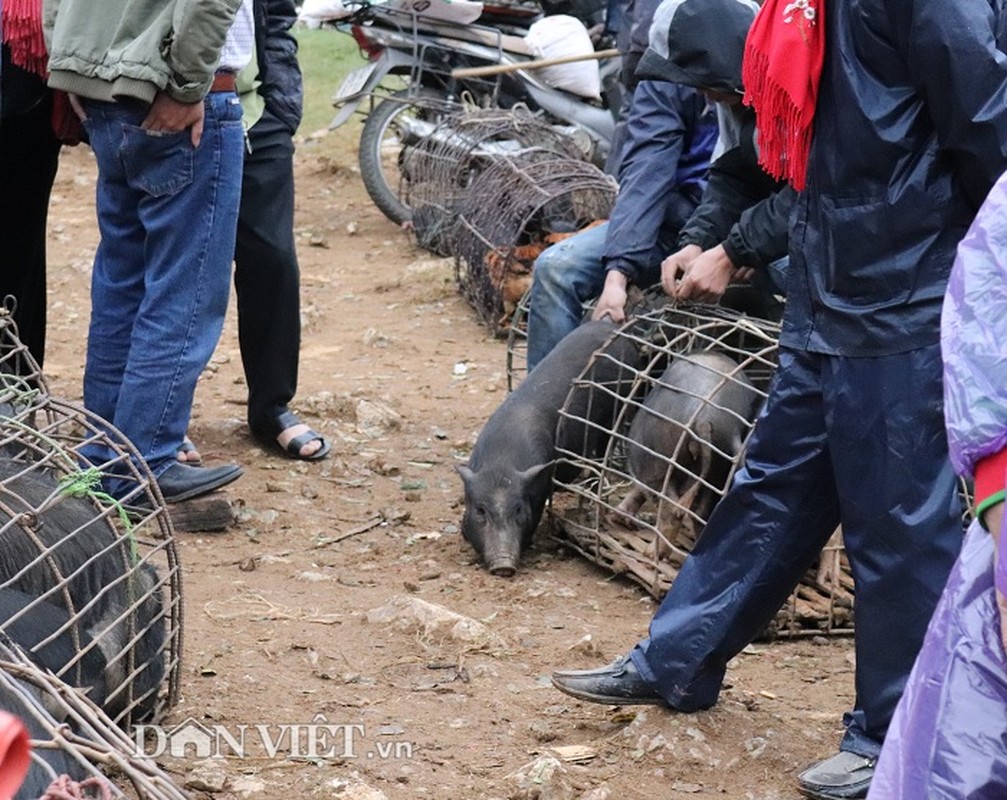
pixel 908 141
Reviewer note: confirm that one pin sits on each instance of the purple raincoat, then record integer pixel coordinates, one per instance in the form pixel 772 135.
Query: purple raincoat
pixel 948 738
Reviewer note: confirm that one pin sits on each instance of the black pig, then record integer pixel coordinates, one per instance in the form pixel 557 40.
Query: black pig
pixel 113 606
pixel 684 437
pixel 509 475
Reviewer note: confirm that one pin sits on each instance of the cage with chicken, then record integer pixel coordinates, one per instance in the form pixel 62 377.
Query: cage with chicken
pixel 514 209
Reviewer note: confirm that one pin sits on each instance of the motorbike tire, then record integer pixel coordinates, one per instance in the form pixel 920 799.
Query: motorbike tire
pixel 379 168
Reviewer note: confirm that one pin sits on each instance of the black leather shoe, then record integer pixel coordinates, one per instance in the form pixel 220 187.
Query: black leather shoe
pixel 618 684
pixel 181 482
pixel 844 776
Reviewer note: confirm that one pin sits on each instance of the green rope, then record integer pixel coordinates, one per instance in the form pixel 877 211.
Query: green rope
pixel 87 483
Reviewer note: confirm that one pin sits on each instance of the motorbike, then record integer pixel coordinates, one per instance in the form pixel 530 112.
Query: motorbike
pixel 424 50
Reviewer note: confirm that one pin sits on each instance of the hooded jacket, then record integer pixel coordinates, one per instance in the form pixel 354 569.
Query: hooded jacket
pixel 671 132
pixel 700 43
pixel 117 49
pixel 910 134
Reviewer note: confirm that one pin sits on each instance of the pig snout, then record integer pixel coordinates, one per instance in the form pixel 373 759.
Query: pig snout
pixel 500 547
pixel 500 552
pixel 503 567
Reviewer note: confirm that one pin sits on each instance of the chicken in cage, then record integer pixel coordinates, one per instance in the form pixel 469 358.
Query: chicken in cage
pixel 513 210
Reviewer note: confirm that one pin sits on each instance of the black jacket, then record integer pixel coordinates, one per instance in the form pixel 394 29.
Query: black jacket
pixel 910 134
pixel 743 208
pixel 700 43
pixel 276 55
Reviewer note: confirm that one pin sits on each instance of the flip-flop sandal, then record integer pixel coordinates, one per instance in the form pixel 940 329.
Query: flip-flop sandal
pixel 186 449
pixel 293 448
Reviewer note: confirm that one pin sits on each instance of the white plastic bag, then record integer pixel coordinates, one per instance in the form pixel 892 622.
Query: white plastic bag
pixel 314 12
pixel 462 12
pixel 559 36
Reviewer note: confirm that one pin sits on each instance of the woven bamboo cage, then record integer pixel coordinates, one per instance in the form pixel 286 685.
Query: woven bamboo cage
pixel 745 299
pixel 673 429
pixel 76 749
pixel 442 166
pixel 514 209
pixel 638 302
pixel 90 584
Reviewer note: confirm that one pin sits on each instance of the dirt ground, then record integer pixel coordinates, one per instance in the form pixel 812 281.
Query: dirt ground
pixel 399 374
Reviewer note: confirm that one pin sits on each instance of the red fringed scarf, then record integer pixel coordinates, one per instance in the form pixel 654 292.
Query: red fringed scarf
pixel 784 53
pixel 22 32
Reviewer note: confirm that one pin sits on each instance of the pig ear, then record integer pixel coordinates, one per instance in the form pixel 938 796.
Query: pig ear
pixel 467 474
pixel 532 472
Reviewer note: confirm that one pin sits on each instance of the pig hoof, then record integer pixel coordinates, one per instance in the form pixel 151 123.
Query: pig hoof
pixel 623 519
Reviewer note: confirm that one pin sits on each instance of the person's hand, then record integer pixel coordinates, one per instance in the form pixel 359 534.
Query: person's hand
pixel 675 266
pixel 78 109
pixel 993 520
pixel 707 277
pixel 167 115
pixel 612 302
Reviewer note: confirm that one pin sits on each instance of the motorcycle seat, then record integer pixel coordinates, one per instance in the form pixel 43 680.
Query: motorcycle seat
pixel 479 34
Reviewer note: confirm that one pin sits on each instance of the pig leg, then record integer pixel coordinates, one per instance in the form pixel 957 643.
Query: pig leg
pixel 829 569
pixel 624 514
pixel 671 524
pixel 703 457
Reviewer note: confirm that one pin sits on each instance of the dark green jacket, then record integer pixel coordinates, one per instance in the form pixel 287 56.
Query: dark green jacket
pixel 117 49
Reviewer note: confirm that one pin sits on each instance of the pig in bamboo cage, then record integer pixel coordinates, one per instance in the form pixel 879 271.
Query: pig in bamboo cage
pixel 674 431
pixel 514 209
pixel 76 749
pixel 442 165
pixel 90 584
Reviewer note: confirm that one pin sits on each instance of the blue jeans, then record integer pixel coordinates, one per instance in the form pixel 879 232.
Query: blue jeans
pixel 566 275
pixel 167 215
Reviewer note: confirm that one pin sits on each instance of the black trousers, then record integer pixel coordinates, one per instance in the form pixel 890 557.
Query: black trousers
pixel 266 276
pixel 29 156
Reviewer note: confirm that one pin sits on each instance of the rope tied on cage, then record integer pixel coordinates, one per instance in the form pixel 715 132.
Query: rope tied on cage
pixel 63 788
pixel 87 483
pixel 24 393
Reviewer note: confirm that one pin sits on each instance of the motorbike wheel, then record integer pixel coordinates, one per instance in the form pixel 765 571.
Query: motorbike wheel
pixel 381 145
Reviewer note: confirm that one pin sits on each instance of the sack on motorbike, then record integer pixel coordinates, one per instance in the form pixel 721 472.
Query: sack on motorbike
pixel 558 37
pixel 461 12
pixel 314 12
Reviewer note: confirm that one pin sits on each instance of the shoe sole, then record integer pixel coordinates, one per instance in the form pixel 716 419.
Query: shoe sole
pixel 856 792
pixel 206 488
pixel 609 700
